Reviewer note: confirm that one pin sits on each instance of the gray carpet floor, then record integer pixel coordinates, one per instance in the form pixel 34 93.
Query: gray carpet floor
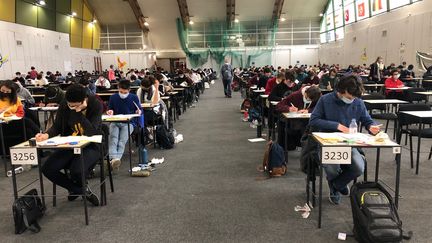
pixel 207 191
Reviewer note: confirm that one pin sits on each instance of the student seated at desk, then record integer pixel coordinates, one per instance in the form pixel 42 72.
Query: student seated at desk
pixel 123 103
pixel 394 82
pixel 149 93
pixel 10 103
pixel 78 115
pixel 102 83
pixel 407 76
pixel 273 82
pixel 24 94
pixel 334 113
pixel 301 101
pixel 329 81
pixel 40 81
pixel 284 88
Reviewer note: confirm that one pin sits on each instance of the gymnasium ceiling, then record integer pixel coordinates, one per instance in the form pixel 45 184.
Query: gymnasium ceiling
pixel 163 13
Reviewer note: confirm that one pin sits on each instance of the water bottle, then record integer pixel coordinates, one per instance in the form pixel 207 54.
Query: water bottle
pixel 353 127
pixel 144 156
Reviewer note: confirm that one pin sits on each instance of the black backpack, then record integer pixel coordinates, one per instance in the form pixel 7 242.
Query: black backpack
pixel 375 216
pixel 164 137
pixel 26 211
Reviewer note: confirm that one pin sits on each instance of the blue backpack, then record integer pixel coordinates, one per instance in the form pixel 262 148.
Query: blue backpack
pixel 274 160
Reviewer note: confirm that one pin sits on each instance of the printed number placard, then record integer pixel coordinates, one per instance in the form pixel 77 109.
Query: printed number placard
pixel 24 156
pixel 336 155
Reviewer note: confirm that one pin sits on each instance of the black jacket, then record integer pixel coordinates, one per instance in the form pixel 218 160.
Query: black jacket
pixel 279 92
pixel 69 122
pixel 374 70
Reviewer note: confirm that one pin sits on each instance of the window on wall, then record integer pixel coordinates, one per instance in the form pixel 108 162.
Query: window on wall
pixel 343 12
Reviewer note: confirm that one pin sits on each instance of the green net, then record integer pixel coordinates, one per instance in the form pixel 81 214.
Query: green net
pixel 244 43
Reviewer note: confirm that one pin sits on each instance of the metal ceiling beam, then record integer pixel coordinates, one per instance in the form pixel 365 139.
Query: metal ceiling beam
pixel 184 12
pixel 230 11
pixel 277 10
pixel 138 14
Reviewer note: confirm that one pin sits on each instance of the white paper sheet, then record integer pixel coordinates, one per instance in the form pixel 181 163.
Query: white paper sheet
pixel 256 140
pixel 119 117
pixel 70 139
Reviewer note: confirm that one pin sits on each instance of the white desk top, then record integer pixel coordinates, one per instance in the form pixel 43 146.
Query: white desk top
pixel 401 88
pixel 386 101
pixel 254 87
pixel 274 102
pixel 424 93
pixel 373 85
pixel 295 115
pixel 47 108
pixel 264 96
pixel 119 117
pixel 259 91
pixel 338 139
pixel 420 114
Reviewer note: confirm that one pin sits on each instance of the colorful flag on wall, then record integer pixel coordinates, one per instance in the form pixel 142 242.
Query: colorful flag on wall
pixel 3 60
pixel 377 5
pixel 361 9
pixel 347 15
pixel 120 64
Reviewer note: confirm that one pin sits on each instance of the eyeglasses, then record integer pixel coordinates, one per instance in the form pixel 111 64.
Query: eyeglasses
pixel 73 107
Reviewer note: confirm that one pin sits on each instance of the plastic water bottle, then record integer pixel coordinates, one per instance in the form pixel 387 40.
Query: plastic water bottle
pixel 144 157
pixel 353 127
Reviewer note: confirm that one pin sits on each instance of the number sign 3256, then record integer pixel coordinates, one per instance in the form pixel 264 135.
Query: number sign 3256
pixel 336 155
pixel 24 156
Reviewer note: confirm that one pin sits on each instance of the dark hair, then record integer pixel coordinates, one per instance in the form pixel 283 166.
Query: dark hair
pixel 281 75
pixel 39 76
pixel 133 77
pixel 84 82
pixel 76 93
pixel 332 70
pixel 267 70
pixel 124 84
pixel 13 87
pixel 52 92
pixel 394 71
pixel 146 83
pixel 290 76
pixel 17 73
pixel 313 93
pixel 410 67
pixel 351 85
pixel 158 76
pixel 32 68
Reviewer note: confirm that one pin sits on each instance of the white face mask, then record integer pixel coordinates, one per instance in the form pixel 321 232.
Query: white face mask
pixel 346 100
pixel 181 76
pixel 306 101
pixel 123 96
pixel 396 76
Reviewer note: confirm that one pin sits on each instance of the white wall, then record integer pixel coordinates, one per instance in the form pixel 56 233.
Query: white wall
pixel 44 49
pixel 409 29
pixel 281 56
pixel 133 59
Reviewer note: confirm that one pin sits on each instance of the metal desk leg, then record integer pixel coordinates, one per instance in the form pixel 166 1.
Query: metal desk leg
pixel 421 126
pixel 130 149
pixel 377 164
pixel 398 165
pixel 286 140
pixel 14 183
pixel 320 197
pixel 83 187
pixel 3 149
pixel 41 179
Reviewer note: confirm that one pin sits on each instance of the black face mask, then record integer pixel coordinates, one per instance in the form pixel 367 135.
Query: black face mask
pixel 5 95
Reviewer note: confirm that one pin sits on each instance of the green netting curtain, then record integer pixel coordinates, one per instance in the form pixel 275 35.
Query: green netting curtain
pixel 258 39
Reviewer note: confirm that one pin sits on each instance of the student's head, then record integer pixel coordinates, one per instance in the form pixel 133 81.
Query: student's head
pixel 181 74
pixel 75 96
pixel 84 82
pixel 280 77
pixel 332 73
pixel 101 77
pixel 52 93
pixel 32 68
pixel 159 77
pixel 111 66
pixel 18 74
pixel 349 88
pixel 289 78
pixel 8 91
pixel 395 74
pixel 146 83
pixel 133 78
pixel 379 60
pixel 39 76
pixel 311 93
pixel 267 72
pixel 410 67
pixel 311 73
pixel 69 74
pixel 124 88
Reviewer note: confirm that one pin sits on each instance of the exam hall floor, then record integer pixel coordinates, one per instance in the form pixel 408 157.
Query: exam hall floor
pixel 207 191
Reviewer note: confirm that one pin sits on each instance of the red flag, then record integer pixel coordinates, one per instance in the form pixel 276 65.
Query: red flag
pixel 361 10
pixel 347 16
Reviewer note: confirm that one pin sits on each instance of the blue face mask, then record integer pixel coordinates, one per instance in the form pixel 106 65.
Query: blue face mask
pixel 347 101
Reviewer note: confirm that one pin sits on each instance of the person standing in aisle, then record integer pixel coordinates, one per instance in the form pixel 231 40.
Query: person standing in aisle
pixel 227 76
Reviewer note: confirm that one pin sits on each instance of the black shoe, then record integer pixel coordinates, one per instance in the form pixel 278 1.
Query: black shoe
pixel 72 196
pixel 229 96
pixel 91 197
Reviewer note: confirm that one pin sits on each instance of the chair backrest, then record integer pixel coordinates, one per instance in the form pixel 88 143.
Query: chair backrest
pixel 105 138
pixel 374 96
pixel 410 95
pixel 407 120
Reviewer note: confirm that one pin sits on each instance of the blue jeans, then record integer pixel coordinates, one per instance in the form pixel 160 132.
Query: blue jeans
pixel 341 175
pixel 118 139
pixel 227 87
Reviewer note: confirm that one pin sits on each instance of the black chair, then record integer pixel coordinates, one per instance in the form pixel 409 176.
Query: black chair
pixel 104 161
pixel 410 96
pixel 382 111
pixel 405 125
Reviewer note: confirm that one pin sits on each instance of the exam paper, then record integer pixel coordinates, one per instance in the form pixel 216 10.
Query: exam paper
pixel 119 117
pixel 70 139
pixel 255 140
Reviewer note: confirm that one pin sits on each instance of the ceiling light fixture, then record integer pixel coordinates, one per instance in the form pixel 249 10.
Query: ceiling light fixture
pixel 146 23
pixel 282 19
pixel 321 14
pixel 74 14
pixel 236 20
pixel 191 22
pixel 42 3
pixel 94 21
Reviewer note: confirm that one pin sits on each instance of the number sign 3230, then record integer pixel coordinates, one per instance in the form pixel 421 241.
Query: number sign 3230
pixel 336 155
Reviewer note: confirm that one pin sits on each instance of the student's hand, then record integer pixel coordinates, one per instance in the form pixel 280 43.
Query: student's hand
pixel 110 112
pixel 138 111
pixel 41 104
pixel 343 128
pixel 41 137
pixel 374 129
pixel 82 106
pixel 293 109
pixel 156 84
pixel 305 111
pixel 51 105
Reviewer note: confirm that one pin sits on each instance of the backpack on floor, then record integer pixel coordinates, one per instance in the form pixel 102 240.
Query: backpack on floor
pixel 274 160
pixel 27 210
pixel 375 216
pixel 164 137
